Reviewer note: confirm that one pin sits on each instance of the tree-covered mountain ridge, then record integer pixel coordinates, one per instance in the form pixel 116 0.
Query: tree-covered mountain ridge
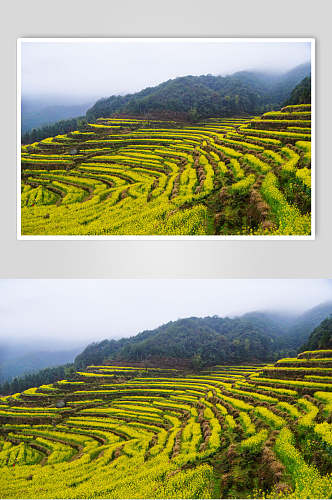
pixel 321 337
pixel 192 98
pixel 253 337
pixel 199 97
pixel 194 343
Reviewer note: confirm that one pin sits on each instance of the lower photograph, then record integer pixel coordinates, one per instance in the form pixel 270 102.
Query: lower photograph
pixel 170 388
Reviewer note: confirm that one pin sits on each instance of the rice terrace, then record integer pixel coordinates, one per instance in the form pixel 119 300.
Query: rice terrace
pixel 223 154
pixel 136 177
pixel 243 431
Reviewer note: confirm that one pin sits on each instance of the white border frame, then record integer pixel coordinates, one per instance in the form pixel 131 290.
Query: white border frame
pixel 312 41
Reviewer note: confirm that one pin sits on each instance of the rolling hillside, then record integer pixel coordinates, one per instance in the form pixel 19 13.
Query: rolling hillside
pixel 126 176
pixel 241 431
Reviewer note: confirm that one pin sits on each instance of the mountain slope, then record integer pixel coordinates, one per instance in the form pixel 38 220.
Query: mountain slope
pixel 197 342
pixel 301 94
pixel 294 329
pixel 206 95
pixel 213 339
pixel 184 98
pixel 256 336
pixel 289 80
pixel 278 323
pixel 321 337
pixel 305 324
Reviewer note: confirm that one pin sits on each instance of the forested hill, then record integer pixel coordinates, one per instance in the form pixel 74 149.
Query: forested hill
pixel 257 336
pixel 321 337
pixel 300 329
pixel 198 342
pixel 301 94
pixel 191 98
pixel 214 340
pixel 197 97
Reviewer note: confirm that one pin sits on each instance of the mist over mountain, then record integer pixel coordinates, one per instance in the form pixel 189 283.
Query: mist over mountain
pixel 193 342
pixel 214 340
pixel 301 94
pixel 295 328
pixel 37 112
pixel 206 95
pixel 306 322
pixel 21 360
pixel 185 98
pixel 257 336
pixel 321 337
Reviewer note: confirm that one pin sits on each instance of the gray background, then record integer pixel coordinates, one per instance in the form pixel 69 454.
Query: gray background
pixel 161 259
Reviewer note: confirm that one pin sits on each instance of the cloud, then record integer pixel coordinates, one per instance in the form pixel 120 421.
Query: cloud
pixel 79 311
pixel 97 69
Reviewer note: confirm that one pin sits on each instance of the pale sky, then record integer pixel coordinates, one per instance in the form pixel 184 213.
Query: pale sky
pixel 100 69
pixel 80 311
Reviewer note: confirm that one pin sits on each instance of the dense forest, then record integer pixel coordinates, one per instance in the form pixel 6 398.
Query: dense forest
pixel 199 342
pixel 301 94
pixel 199 97
pixel 321 337
pixel 191 98
pixel 258 336
pixel 211 340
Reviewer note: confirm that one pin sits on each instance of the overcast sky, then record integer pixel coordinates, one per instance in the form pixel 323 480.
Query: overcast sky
pixel 80 311
pixel 100 69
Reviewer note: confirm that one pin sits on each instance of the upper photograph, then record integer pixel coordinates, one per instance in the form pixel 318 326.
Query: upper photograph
pixel 166 138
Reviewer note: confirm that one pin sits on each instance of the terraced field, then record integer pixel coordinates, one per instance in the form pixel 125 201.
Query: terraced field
pixel 125 432
pixel 232 176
